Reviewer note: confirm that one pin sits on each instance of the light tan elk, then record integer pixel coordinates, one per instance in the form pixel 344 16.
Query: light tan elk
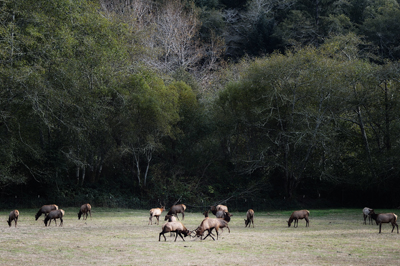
pixel 175 209
pixel 208 224
pixel 223 215
pixel 53 215
pixel 296 215
pixel 45 209
pixel 214 209
pixel 250 218
pixel 381 218
pixel 155 212
pixel 85 209
pixel 176 227
pixel 13 217
pixel 367 214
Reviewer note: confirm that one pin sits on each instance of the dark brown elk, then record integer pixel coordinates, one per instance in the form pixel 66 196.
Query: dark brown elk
pixel 250 218
pixel 176 227
pixel 85 209
pixel 45 209
pixel 13 217
pixel 53 215
pixel 155 212
pixel 382 218
pixel 180 208
pixel 296 215
pixel 214 209
pixel 223 215
pixel 366 214
pixel 208 224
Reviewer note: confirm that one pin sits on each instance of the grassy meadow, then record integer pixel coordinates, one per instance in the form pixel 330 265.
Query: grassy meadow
pixel 122 237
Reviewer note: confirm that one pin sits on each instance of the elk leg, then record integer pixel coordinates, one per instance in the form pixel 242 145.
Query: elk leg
pixel 380 225
pixel 209 234
pixel 183 216
pixel 159 237
pixel 62 222
pixel 178 233
pixel 307 222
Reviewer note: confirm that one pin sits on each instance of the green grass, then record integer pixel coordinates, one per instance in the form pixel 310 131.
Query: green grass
pixel 122 237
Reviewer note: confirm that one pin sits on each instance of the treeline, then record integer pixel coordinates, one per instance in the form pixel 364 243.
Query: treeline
pixel 136 102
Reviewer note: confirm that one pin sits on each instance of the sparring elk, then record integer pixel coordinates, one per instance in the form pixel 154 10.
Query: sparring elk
pixel 367 214
pixel 85 209
pixel 208 224
pixel 296 215
pixel 13 217
pixel 45 209
pixel 53 215
pixel 175 209
pixel 155 212
pixel 250 217
pixel 381 218
pixel 176 227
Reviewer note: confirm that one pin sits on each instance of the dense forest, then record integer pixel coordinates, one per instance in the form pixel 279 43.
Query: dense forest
pixel 253 103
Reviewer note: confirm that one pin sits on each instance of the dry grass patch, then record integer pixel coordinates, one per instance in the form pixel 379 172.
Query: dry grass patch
pixel 123 237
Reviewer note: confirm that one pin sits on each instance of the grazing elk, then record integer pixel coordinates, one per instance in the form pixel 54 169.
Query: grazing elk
pixel 180 208
pixel 250 217
pixel 381 218
pixel 155 212
pixel 214 209
pixel 296 215
pixel 53 215
pixel 367 214
pixel 13 217
pixel 45 209
pixel 208 224
pixel 176 227
pixel 85 209
pixel 223 215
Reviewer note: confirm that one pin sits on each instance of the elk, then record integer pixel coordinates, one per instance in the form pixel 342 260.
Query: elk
pixel 45 209
pixel 367 214
pixel 13 217
pixel 381 218
pixel 214 209
pixel 175 209
pixel 223 215
pixel 176 227
pixel 208 224
pixel 296 215
pixel 53 215
pixel 155 212
pixel 250 217
pixel 170 218
pixel 85 209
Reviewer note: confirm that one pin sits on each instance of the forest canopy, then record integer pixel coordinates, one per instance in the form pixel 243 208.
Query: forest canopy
pixel 263 103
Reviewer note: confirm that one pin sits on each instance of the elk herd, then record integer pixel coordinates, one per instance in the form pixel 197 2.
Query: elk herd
pixel 223 218
pixel 51 212
pixel 207 225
